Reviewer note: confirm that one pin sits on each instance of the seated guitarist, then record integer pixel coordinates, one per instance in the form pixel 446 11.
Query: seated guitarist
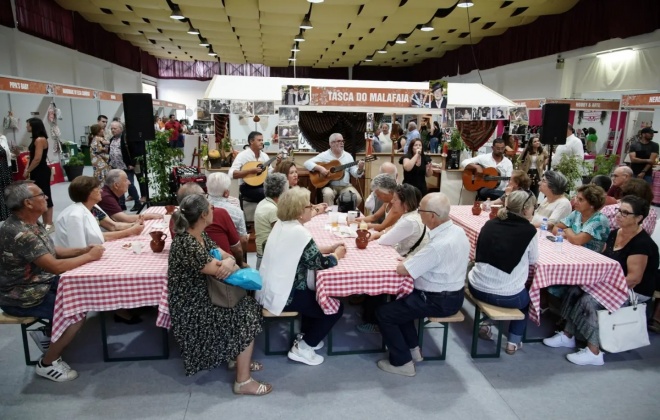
pixel 253 153
pixel 336 152
pixel 496 159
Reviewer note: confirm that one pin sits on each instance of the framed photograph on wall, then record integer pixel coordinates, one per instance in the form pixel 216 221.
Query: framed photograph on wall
pixel 203 109
pixel 288 114
pixel 220 106
pixel 264 108
pixel 463 113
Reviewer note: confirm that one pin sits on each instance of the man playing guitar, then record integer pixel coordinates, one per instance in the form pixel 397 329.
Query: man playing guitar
pixel 494 160
pixel 336 152
pixel 251 154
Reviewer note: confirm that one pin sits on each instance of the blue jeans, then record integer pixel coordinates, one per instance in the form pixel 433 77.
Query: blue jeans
pixel 44 310
pixel 517 301
pixel 397 319
pixel 434 144
pixel 315 324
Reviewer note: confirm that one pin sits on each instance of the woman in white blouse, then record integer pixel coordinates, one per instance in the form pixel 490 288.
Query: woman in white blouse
pixel 555 206
pixel 408 234
pixel 78 225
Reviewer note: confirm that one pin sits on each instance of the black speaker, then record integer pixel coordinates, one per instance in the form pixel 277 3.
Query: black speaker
pixel 555 123
pixel 139 115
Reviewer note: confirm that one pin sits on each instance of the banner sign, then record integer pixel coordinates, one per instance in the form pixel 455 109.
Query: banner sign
pixel 368 97
pixel 576 104
pixel 648 100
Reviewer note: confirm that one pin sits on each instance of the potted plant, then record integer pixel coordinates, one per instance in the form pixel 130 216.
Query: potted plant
pixel 455 147
pixel 74 166
pixel 603 165
pixel 226 152
pixel 572 168
pixel 161 158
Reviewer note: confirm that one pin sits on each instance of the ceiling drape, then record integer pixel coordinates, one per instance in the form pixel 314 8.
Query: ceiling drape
pixel 317 128
pixel 476 133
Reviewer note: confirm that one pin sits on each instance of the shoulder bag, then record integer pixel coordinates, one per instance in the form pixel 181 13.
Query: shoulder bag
pixel 222 294
pixel 625 328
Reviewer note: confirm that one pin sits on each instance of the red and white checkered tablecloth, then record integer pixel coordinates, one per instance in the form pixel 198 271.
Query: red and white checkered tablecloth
pixel 120 279
pixel 370 271
pixel 157 224
pixel 656 187
pixel 595 273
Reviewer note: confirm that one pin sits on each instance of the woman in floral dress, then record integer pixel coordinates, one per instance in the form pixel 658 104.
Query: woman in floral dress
pixel 100 149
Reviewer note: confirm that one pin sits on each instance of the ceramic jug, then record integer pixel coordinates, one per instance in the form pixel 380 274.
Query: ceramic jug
pixel 476 209
pixel 170 209
pixel 157 241
pixel 363 238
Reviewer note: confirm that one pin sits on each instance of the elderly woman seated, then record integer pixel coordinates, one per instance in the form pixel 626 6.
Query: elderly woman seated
pixel 519 181
pixel 586 226
pixel 208 335
pixel 77 226
pixel 639 188
pixel 501 267
pixel 637 253
pixel 555 206
pixel 265 215
pixel 383 187
pixel 289 256
pixel 605 183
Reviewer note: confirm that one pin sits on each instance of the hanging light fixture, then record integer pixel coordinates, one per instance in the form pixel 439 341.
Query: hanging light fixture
pixel 369 58
pixel 300 37
pixel 427 27
pixel 212 53
pixel 382 51
pixel 306 24
pixel 294 47
pixel 176 14
pixel 315 1
pixel 400 40
pixel 192 31
pixel 465 4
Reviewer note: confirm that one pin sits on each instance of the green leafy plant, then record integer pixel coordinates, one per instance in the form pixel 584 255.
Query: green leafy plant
pixel 160 160
pixel 456 142
pixel 604 165
pixel 572 168
pixel 76 160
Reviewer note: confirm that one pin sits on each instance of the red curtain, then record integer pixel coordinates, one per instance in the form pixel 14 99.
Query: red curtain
pixel 6 14
pixel 317 128
pixel 149 64
pixel 47 20
pixel 310 72
pixel 476 133
pixel 198 70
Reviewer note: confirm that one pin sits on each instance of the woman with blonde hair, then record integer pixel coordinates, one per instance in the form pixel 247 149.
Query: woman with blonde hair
pixel 501 266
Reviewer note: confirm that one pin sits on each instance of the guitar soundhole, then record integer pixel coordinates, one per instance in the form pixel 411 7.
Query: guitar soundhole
pixel 333 170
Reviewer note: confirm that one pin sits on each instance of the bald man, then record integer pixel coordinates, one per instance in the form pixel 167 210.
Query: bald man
pixel 619 177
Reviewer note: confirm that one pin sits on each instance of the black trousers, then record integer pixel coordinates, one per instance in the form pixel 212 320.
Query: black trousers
pixel 252 194
pixel 315 324
pixel 485 193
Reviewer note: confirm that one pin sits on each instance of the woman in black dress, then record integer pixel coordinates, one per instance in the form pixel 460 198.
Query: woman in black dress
pixel 5 175
pixel 416 166
pixel 38 170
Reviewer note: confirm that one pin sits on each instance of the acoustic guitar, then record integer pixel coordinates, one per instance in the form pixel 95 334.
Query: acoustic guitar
pixel 336 171
pixel 490 178
pixel 254 180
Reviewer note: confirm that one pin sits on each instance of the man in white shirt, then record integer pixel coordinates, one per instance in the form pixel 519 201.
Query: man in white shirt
pixel 438 271
pixel 573 147
pixel 336 152
pixel 496 159
pixel 384 138
pixel 253 153
pixel 413 133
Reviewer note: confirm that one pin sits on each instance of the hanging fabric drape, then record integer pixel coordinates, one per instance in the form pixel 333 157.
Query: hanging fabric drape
pixel 317 128
pixel 476 133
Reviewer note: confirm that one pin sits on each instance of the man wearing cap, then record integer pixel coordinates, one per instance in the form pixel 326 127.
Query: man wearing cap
pixel 573 147
pixel 643 155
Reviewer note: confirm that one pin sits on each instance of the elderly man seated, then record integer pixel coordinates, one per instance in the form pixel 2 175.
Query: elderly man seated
pixel 619 177
pixel 218 185
pixel 30 265
pixel 116 185
pixel 438 271
pixel 221 230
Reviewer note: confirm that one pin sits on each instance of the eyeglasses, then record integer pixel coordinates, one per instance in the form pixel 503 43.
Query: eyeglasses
pixel 625 213
pixel 309 207
pixel 529 195
pixel 38 195
pixel 338 141
pixel 427 211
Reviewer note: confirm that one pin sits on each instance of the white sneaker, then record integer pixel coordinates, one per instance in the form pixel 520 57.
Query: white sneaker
pixel 41 339
pixel 416 354
pixel 59 371
pixel 584 357
pixel 559 340
pixel 319 346
pixel 303 353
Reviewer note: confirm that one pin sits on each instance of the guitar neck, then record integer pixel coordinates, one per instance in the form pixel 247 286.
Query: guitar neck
pixel 269 161
pixel 346 166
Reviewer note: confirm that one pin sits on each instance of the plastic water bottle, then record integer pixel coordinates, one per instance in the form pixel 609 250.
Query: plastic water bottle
pixel 487 206
pixel 544 228
pixel 559 242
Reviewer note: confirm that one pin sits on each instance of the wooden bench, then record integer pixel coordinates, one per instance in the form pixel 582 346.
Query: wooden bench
pixel 483 311
pixel 269 318
pixel 25 323
pixel 444 324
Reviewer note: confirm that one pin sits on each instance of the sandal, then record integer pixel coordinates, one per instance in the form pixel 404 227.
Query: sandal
pixel 485 332
pixel 263 388
pixel 254 366
pixel 511 348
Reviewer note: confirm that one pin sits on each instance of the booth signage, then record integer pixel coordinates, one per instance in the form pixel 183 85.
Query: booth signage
pixel 368 97
pixel 648 99
pixel 24 86
pixel 577 104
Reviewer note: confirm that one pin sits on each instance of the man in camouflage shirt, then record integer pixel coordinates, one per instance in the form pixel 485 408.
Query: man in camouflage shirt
pixel 30 265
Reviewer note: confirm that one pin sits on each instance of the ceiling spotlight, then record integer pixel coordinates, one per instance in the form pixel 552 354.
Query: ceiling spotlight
pixel 382 51
pixel 212 53
pixel 315 1
pixel 193 31
pixel 400 40
pixel 427 27
pixel 203 42
pixel 292 58
pixel 294 47
pixel 176 14
pixel 306 24
pixel 369 58
pixel 465 3
pixel 299 37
